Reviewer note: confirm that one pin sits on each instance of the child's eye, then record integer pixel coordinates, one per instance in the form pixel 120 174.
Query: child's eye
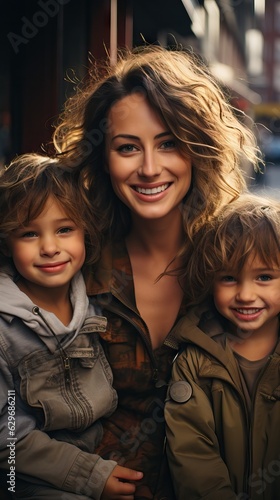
pixel 29 234
pixel 264 277
pixel 228 279
pixel 64 230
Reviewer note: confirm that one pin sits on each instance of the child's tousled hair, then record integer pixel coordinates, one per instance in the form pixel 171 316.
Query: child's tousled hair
pixel 25 186
pixel 249 226
pixel 185 95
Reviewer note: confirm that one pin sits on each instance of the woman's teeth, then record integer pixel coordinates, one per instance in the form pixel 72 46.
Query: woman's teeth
pixel 156 190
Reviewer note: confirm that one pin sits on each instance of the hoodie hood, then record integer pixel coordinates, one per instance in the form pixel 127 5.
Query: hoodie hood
pixel 16 304
pixel 203 327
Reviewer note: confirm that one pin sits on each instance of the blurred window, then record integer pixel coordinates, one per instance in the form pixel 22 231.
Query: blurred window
pixel 277 17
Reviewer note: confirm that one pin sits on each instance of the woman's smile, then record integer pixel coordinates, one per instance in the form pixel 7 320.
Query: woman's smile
pixel 147 170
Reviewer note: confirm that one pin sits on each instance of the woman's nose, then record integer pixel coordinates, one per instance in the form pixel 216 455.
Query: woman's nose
pixel 150 165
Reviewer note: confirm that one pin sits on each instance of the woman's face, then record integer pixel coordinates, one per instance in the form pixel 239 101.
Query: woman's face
pixel 147 170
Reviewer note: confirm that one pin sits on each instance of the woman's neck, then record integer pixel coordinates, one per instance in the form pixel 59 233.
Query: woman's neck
pixel 157 237
pixel 153 247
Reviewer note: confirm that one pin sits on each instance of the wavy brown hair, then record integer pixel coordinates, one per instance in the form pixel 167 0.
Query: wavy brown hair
pixel 249 226
pixel 179 87
pixel 25 186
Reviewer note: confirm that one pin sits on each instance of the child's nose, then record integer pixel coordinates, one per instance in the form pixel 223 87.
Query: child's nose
pixel 246 292
pixel 49 246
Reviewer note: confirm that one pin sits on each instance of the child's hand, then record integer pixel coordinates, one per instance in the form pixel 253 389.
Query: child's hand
pixel 120 485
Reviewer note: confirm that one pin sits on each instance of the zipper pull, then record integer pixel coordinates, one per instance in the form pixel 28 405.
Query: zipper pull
pixel 155 374
pixel 66 362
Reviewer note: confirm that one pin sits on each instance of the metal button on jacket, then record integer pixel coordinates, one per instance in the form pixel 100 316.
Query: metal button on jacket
pixel 180 391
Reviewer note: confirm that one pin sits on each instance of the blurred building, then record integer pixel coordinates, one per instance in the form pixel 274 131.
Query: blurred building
pixel 264 73
pixel 46 46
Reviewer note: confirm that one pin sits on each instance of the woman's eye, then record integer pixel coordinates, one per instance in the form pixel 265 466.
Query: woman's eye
pixel 126 148
pixel 170 144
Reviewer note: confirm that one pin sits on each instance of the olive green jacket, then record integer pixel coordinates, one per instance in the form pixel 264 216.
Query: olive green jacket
pixel 216 449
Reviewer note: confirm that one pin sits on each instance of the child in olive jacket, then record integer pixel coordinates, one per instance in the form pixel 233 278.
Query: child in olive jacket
pixel 223 407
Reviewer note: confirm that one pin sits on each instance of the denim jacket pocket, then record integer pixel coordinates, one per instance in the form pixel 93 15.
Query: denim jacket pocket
pixel 86 357
pixel 72 403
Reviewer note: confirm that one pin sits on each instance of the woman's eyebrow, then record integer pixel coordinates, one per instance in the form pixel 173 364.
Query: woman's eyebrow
pixel 135 137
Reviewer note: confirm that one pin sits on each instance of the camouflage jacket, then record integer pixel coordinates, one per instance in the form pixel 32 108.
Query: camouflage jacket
pixel 134 435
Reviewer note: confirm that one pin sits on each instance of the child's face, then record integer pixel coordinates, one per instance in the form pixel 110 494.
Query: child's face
pixel 147 170
pixel 49 251
pixel 250 300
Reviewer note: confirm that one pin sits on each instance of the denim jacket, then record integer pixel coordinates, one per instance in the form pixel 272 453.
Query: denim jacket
pixel 55 385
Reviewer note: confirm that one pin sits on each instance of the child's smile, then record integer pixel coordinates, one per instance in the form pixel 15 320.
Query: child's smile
pixel 49 252
pixel 250 299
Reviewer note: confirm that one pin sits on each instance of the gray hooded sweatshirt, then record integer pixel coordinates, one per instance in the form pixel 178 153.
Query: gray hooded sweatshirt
pixel 55 385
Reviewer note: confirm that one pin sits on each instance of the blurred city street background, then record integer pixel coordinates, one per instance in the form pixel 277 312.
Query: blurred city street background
pixel 47 47
pixel 270 183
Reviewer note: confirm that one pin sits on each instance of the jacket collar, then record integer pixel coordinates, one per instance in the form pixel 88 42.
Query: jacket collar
pixel 203 328
pixel 113 275
pixel 14 304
